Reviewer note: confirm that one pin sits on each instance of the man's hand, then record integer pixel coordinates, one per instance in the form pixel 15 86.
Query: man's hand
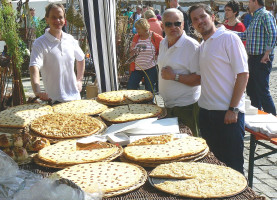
pixel 42 96
pixel 230 117
pixel 265 58
pixel 79 85
pixel 167 73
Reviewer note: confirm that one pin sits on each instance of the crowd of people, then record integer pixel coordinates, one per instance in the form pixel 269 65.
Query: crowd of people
pixel 202 82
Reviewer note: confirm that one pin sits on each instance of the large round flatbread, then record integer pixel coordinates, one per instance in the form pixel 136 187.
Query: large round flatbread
pixel 110 176
pixel 200 180
pixel 135 96
pixel 66 153
pixel 89 107
pixel 172 150
pixel 21 116
pixel 130 112
pixel 59 125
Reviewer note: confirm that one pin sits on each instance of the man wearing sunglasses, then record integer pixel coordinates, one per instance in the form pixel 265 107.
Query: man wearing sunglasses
pixel 178 62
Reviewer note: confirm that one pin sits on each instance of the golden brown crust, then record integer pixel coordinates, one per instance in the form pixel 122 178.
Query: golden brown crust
pixel 65 125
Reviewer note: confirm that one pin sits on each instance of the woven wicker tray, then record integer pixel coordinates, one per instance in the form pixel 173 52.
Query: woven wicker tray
pixel 103 127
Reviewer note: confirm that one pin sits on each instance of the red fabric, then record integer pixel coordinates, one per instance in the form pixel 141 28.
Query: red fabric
pixel 155 39
pixel 155 26
pixel 239 28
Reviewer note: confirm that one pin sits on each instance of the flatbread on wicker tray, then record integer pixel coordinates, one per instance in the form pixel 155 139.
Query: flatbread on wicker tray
pixel 191 158
pixel 44 163
pixel 59 125
pixel 122 96
pixel 110 176
pixel 175 149
pixel 21 116
pixel 67 153
pixel 130 112
pixel 199 180
pixel 89 107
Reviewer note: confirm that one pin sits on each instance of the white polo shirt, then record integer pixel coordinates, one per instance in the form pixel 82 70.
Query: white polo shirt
pixel 221 58
pixel 183 58
pixel 55 59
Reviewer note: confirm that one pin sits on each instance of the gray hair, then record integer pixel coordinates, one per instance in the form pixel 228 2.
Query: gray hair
pixel 173 10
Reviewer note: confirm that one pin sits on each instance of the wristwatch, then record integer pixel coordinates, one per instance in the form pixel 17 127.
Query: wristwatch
pixel 234 109
pixel 177 77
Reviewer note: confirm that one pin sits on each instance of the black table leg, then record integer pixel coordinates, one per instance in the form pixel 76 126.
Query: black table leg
pixel 251 160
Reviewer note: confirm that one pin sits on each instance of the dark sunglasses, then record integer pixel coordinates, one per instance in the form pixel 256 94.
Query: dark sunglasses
pixel 169 24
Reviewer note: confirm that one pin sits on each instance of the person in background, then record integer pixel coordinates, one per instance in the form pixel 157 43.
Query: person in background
pixel 260 39
pixel 157 13
pixel 224 75
pixel 178 63
pixel 246 18
pixel 231 14
pixel 128 12
pixel 155 24
pixel 34 20
pixel 144 9
pixel 146 46
pixel 54 54
pixel 175 4
pixel 136 16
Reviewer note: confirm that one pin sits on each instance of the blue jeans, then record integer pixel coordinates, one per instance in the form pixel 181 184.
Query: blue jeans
pixel 137 75
pixel 224 140
pixel 258 84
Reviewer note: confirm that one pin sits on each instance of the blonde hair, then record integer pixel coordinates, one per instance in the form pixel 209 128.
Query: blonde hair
pixel 149 14
pixel 142 23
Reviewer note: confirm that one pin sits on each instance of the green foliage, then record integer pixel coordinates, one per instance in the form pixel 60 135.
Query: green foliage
pixel 9 32
pixel 40 29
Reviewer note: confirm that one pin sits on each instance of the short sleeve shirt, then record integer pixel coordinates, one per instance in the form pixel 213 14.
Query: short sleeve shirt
pixel 55 60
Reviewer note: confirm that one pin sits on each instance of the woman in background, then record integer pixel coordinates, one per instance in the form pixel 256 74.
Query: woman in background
pixel 146 46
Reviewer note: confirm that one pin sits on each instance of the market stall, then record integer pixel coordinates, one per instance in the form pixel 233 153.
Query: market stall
pixel 95 158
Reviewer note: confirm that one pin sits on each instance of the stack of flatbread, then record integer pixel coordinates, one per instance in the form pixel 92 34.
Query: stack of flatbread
pixel 155 150
pixel 130 112
pixel 198 180
pixel 58 126
pixel 67 153
pixel 113 178
pixel 122 97
pixel 21 116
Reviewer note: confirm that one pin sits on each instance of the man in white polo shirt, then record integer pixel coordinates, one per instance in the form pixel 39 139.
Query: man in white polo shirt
pixel 54 54
pixel 178 63
pixel 224 75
